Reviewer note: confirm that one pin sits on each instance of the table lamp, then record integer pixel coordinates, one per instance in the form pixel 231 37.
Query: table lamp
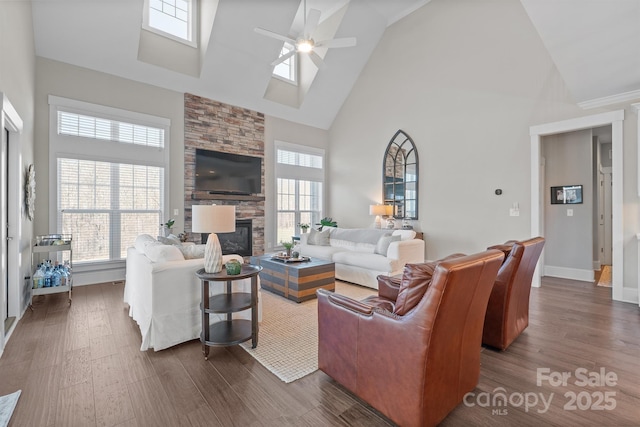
pixel 378 211
pixel 213 219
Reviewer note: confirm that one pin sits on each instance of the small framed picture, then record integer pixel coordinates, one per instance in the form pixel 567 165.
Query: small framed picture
pixel 566 194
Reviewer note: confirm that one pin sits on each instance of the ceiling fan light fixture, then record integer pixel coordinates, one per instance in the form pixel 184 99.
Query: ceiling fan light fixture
pixel 304 45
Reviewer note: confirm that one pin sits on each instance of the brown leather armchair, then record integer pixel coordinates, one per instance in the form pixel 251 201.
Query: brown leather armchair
pixel 413 351
pixel 508 309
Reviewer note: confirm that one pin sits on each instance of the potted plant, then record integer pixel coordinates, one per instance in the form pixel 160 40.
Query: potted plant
pixel 326 222
pixel 287 245
pixel 304 227
pixel 165 229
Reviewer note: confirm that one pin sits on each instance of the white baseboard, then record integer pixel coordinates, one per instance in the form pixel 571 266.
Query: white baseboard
pixel 630 295
pixel 569 273
pixel 92 277
pixel 597 265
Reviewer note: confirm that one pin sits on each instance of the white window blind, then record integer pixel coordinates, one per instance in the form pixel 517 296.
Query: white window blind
pixel 110 130
pixel 109 177
pixel 106 205
pixel 299 188
pixel 294 158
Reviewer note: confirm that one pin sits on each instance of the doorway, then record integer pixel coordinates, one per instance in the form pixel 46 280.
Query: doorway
pixel 11 126
pixel 615 119
pixel 4 184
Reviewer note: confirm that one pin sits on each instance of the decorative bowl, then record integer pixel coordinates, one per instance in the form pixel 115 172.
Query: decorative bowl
pixel 233 267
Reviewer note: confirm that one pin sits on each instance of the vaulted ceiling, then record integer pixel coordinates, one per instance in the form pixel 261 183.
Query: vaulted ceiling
pixel 595 45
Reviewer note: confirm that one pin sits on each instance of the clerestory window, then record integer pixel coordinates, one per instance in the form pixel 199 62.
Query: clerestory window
pixel 287 68
pixel 175 19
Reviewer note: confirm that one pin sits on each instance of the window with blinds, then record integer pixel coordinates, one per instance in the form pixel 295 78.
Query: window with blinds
pixel 106 205
pixel 109 181
pixel 299 188
pixel 111 130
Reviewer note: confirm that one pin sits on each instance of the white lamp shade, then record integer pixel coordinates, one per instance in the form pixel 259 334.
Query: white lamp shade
pixel 213 219
pixel 377 210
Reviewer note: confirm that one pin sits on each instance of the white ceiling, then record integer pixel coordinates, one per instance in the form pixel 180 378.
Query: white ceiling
pixel 595 45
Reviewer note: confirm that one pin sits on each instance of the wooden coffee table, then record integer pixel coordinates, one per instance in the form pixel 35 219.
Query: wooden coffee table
pixel 297 281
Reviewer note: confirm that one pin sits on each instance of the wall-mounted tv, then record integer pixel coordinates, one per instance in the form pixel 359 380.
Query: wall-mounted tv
pixel 566 194
pixel 227 173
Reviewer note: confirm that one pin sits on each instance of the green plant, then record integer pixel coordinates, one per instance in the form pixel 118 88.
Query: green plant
pixel 169 223
pixel 304 226
pixel 326 222
pixel 286 245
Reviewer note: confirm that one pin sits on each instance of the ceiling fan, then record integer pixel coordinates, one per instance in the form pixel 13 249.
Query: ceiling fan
pixel 305 42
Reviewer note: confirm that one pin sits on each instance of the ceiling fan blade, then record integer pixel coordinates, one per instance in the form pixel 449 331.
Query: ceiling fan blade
pixel 344 42
pixel 283 58
pixel 273 35
pixel 316 59
pixel 313 19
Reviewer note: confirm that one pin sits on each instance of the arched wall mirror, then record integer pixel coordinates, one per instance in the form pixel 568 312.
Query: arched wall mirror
pixel 400 176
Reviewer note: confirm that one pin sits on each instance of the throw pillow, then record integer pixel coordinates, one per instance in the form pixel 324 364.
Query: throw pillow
pixel 383 244
pixel 405 234
pixel 142 241
pixel 192 251
pixel 318 238
pixel 171 239
pixel 163 253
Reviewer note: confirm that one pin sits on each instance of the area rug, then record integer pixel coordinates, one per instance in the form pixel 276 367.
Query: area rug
pixel 605 276
pixel 7 405
pixel 288 337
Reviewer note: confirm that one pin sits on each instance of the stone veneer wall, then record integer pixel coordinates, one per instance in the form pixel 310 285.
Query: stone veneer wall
pixel 212 125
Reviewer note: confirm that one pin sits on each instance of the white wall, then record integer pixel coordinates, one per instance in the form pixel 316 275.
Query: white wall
pixel 569 239
pixel 466 79
pixel 276 129
pixel 69 81
pixel 17 82
pixel 477 76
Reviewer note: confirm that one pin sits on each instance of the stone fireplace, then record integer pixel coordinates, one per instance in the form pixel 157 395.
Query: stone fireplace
pixel 212 125
pixel 239 242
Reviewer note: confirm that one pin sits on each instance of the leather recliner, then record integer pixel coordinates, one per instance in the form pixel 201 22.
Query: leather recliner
pixel 413 351
pixel 508 309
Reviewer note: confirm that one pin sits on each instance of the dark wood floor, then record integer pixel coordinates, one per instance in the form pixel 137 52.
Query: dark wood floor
pixel 81 365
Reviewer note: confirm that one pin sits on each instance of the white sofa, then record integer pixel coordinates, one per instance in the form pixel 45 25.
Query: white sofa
pixel 164 293
pixel 361 254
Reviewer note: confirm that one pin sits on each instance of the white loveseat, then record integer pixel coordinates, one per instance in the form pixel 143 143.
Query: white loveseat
pixel 361 254
pixel 164 293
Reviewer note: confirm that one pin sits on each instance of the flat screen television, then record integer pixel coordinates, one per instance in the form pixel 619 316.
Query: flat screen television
pixel 227 173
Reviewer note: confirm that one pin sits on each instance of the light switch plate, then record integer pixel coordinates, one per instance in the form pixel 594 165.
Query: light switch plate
pixel 514 212
pixel 569 212
pixel 176 212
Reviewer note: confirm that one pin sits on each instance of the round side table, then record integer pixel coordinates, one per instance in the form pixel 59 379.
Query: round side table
pixel 229 331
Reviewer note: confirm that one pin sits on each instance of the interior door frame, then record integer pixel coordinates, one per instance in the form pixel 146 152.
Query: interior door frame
pixel 615 119
pixel 10 119
pixel 606 243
